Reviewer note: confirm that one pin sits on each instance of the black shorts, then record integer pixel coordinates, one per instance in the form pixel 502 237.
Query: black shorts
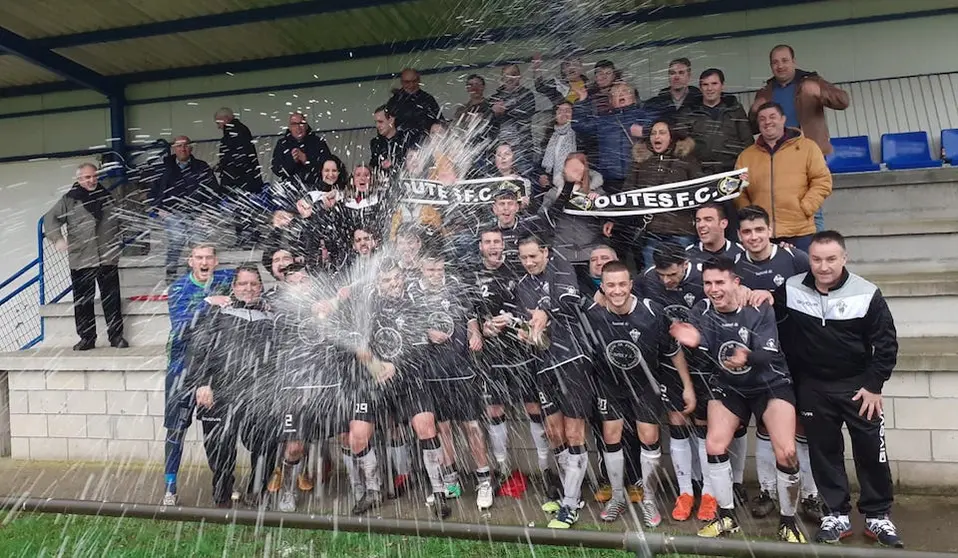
pixel 567 389
pixel 399 401
pixel 745 405
pixel 505 385
pixel 310 424
pixel 457 400
pixel 703 394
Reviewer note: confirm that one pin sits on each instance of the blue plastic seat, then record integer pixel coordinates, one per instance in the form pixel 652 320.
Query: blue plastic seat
pixel 851 155
pixel 908 150
pixel 949 146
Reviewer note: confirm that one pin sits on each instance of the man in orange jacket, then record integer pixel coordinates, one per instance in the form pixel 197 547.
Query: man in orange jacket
pixel 787 177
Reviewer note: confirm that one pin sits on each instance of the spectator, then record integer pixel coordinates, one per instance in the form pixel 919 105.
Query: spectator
pixel 93 245
pixel 599 90
pixel 560 89
pixel 615 132
pixel 512 108
pixel 476 113
pixel 719 125
pixel 240 175
pixel 664 157
pixel 297 159
pixel 561 143
pixel 794 166
pixel 186 198
pixel 508 165
pixel 388 149
pixel 361 201
pixel 803 96
pixel 414 109
pixel 678 94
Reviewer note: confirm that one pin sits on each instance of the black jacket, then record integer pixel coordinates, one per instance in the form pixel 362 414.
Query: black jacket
pixel 239 163
pixel 192 189
pixel 844 340
pixel 661 105
pixel 303 177
pixel 416 112
pixel 233 351
pixel 720 133
pixel 392 149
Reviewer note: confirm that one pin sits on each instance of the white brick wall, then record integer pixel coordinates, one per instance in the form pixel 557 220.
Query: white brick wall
pixel 66 379
pixel 127 403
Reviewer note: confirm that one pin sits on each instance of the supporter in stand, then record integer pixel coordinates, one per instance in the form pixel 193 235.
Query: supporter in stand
pixel 240 175
pixel 388 149
pixel 476 111
pixel 803 96
pixel 678 95
pixel 414 109
pixel 794 164
pixel 512 108
pixel 561 142
pixel 93 244
pixel 297 161
pixel 562 88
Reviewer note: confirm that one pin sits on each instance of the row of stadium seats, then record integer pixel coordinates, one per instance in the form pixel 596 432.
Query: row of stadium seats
pixel 909 150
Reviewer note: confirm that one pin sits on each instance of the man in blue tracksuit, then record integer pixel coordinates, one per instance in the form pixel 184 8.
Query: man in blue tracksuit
pixel 190 297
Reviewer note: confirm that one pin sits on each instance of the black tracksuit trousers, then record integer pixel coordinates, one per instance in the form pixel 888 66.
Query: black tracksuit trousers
pixel 223 425
pixel 823 410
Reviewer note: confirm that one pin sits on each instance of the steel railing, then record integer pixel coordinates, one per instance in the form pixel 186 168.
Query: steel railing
pixel 640 544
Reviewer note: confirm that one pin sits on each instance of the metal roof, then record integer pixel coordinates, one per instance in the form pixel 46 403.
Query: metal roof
pixel 106 44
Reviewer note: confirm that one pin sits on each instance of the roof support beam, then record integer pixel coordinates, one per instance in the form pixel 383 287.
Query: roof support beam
pixel 212 21
pixel 64 67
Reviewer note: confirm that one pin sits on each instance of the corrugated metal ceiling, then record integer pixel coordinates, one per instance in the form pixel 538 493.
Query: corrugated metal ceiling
pixel 393 21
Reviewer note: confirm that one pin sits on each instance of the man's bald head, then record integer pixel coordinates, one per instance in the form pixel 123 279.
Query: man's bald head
pixel 410 80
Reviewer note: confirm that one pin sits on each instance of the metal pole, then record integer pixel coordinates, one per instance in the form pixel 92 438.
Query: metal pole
pixel 640 544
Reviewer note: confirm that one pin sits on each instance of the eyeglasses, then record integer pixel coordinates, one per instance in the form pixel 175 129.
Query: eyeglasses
pixel 297 123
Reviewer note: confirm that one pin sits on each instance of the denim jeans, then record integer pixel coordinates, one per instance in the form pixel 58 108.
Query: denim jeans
pixel 652 242
pixel 819 220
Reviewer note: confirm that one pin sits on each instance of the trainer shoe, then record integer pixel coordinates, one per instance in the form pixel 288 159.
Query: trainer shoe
pixel 370 500
pixel 683 507
pixel 287 501
pixel 484 494
pixel 305 482
pixel 439 506
pixel 708 508
pixel 812 508
pixel 882 530
pixel 834 528
pixel 565 519
pixel 604 493
pixel 453 490
pixel 636 492
pixel 741 496
pixel 551 485
pixel 789 532
pixel 613 509
pixel 551 507
pixel 650 513
pixel 762 505
pixel 169 499
pixel 722 525
pixel 275 481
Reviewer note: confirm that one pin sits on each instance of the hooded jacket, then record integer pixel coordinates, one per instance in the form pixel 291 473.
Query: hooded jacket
pixel 789 181
pixel 613 134
pixel 304 177
pixel 192 189
pixel 720 133
pixel 676 164
pixel 92 240
pixel 239 164
pixel 810 108
pixel 414 111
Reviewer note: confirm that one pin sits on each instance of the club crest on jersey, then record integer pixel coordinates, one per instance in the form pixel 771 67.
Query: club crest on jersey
pixel 570 290
pixel 401 322
pixel 623 355
pixel 770 344
pixel 725 352
pixel 440 321
pixel 677 312
pixel 778 280
pixel 445 305
pixel 841 306
pixel 743 335
pixel 689 299
pixel 635 334
pixel 545 288
pixel 388 342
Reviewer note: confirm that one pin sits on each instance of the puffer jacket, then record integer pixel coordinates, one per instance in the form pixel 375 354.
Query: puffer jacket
pixel 232 351
pixel 675 165
pixel 612 131
pixel 790 182
pixel 90 243
pixel 810 108
pixel 720 134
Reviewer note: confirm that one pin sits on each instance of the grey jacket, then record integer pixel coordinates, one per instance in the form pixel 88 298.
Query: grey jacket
pixel 575 235
pixel 90 244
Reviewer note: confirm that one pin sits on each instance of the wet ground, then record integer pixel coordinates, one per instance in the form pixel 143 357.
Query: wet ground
pixel 926 522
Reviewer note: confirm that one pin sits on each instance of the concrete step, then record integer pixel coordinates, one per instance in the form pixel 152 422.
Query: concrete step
pixel 917 195
pixel 144 323
pixel 879 241
pixel 147 274
pixel 923 304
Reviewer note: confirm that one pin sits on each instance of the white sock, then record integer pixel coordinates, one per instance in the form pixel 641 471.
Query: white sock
pixel 498 442
pixel 541 442
pixel 615 468
pixel 573 475
pixel 698 458
pixel 737 450
pixel 787 491
pixel 401 458
pixel 354 474
pixel 651 459
pixel 805 465
pixel 368 463
pixel 720 469
pixel 432 460
pixel 681 461
pixel 704 463
pixel 765 464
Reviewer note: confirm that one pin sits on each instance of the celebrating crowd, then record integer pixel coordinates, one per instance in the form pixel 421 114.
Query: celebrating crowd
pixel 389 321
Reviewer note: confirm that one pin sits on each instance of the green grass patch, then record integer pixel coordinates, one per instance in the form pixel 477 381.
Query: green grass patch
pixel 43 535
